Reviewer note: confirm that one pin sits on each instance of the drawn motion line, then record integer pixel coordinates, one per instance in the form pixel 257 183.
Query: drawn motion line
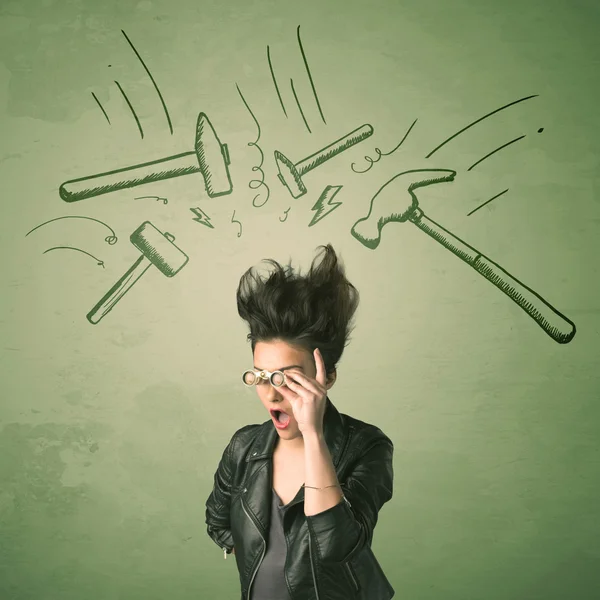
pixel 109 239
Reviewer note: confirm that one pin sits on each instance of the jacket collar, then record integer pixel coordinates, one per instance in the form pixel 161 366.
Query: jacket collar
pixel 334 432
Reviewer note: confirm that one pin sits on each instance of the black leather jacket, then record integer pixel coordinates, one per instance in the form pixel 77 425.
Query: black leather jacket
pixel 329 554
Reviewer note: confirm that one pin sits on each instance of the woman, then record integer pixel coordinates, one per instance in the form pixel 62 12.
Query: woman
pixel 297 497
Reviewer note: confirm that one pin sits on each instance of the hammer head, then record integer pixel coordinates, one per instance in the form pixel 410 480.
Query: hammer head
pixel 395 201
pixel 159 249
pixel 213 158
pixel 289 176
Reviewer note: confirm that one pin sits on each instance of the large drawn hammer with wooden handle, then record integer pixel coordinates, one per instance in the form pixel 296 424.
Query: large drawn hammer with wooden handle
pixel 158 250
pixel 396 201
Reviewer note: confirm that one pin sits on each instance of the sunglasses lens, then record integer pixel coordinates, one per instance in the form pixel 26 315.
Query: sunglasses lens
pixel 277 379
pixel 249 377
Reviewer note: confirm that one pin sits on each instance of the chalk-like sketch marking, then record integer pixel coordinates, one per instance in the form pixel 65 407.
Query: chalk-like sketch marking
pixel 479 121
pixel 101 107
pixel 109 239
pixel 201 217
pixel 285 212
pixel 233 220
pixel 137 120
pixel 312 84
pixel 290 174
pixel 396 201
pixel 209 157
pixel 157 249
pixel 157 198
pixel 255 184
pixel 162 101
pixel 299 105
pixel 275 81
pixel 494 151
pixel 324 202
pixel 371 161
pixel 99 262
pixel 487 202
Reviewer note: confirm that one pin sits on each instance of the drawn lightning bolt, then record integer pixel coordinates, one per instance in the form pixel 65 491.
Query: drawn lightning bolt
pixel 202 217
pixel 324 202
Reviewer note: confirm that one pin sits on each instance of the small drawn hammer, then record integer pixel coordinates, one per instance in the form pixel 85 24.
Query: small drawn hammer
pixel 157 249
pixel 396 201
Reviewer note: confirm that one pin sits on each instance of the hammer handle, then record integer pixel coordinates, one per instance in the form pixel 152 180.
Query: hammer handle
pixel 118 290
pixel 120 179
pixel 555 324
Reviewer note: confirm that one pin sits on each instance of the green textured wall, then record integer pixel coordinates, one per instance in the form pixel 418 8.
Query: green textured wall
pixel 110 432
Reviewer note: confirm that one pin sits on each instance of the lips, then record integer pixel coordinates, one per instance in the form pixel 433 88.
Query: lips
pixel 276 415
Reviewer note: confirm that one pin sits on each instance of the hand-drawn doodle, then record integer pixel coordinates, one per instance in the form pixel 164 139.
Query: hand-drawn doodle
pixel 487 202
pixel 290 174
pixel 99 262
pixel 294 93
pixel 285 212
pixel 157 250
pixel 478 121
pixel 202 217
pixel 494 151
pixel 162 100
pixel 324 201
pixel 137 120
pixel 109 239
pixel 157 198
pixel 299 106
pixel 312 84
pixel 371 161
pixel 255 184
pixel 238 222
pixel 396 201
pixel 101 107
pixel 209 157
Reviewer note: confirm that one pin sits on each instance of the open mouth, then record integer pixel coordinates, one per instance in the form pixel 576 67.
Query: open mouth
pixel 280 418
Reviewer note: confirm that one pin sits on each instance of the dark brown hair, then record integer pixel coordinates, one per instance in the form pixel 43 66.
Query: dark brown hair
pixel 311 311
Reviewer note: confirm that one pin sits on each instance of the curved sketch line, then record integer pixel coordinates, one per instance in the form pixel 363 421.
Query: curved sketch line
pixel 109 239
pixel 100 262
pixel 157 198
pixel 238 222
pixel 101 107
pixel 478 121
pixel 487 202
pixel 312 85
pixel 255 184
pixel 285 212
pixel 380 153
pixel 275 81
pixel 299 107
pixel 153 81
pixel 496 150
pixel 131 109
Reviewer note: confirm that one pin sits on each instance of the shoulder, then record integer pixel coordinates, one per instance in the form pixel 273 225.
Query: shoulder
pixel 365 434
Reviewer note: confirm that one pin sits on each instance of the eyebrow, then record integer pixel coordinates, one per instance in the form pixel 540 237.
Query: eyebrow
pixel 282 368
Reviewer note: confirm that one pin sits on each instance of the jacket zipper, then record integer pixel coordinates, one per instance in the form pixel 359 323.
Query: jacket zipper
pixel 312 568
pixel 264 547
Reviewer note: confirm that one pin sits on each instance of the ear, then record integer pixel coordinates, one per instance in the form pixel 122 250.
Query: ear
pixel 331 379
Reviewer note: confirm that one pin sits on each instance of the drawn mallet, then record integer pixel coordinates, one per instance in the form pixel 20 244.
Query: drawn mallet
pixel 396 201
pixel 209 157
pixel 157 249
pixel 290 174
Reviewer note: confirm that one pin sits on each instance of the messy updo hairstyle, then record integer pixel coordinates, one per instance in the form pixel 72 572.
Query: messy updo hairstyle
pixel 311 311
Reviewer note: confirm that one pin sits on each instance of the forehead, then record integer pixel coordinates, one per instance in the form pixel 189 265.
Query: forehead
pixel 276 354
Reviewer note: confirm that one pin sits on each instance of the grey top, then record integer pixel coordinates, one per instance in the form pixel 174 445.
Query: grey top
pixel 269 583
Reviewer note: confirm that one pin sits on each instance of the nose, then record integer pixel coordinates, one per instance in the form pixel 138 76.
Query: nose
pixel 273 395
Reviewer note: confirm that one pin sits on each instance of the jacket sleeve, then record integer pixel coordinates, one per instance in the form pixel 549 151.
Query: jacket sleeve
pixel 343 530
pixel 218 503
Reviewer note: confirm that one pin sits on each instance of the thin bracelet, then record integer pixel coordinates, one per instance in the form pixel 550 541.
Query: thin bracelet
pixel 321 488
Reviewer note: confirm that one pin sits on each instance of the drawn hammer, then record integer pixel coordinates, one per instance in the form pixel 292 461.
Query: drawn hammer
pixel 157 249
pixel 396 201
pixel 209 157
